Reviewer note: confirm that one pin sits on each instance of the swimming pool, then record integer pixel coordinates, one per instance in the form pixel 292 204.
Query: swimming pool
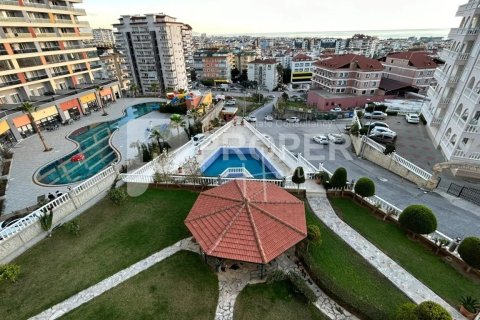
pixel 249 158
pixel 93 141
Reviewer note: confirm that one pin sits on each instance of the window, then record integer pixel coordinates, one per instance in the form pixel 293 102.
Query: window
pixel 3 100
pixel 15 98
pixel 390 69
pixel 367 76
pixel 391 61
pixel 372 91
pixel 465 141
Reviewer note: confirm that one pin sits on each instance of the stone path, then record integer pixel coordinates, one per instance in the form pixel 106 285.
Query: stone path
pixel 94 291
pixel 412 287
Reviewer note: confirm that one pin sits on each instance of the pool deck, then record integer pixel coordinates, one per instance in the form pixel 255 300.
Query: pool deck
pixel 28 156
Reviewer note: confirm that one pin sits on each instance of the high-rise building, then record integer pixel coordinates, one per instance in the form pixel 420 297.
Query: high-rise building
pixel 43 61
pixel 213 64
pixel 453 109
pixel 112 66
pixel 103 38
pixel 157 49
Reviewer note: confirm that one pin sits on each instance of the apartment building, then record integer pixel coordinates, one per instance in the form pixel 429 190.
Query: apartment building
pixel 43 61
pixel 302 71
pixel 414 68
pixel 213 64
pixel 103 38
pixel 453 109
pixel 157 49
pixel 345 81
pixel 264 72
pixel 112 66
pixel 243 58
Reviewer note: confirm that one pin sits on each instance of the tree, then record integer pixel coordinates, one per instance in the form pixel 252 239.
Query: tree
pixel 285 96
pixel 235 74
pixel 287 75
pixel 193 75
pixel 280 73
pixel 365 187
pixel 313 235
pixel 160 137
pixel 389 149
pixel 429 310
pixel 28 109
pixel 134 89
pixel 176 121
pixel 98 89
pixel 298 177
pixel 339 178
pixel 469 251
pixel 154 88
pixel 46 220
pixel 418 219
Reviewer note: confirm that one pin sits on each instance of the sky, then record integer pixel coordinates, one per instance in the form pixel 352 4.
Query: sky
pixel 269 16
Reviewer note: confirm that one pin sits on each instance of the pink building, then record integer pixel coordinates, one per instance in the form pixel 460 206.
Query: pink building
pixel 345 81
pixel 414 68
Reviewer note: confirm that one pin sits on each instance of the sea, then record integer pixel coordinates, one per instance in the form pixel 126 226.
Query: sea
pixel 381 34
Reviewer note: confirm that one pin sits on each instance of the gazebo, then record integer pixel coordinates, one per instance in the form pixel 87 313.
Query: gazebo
pixel 245 220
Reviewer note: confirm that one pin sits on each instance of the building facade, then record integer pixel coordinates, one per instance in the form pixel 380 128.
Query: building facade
pixel 213 64
pixel 103 38
pixel 302 71
pixel 414 68
pixel 157 49
pixel 112 67
pixel 264 72
pixel 453 110
pixel 44 61
pixel 243 58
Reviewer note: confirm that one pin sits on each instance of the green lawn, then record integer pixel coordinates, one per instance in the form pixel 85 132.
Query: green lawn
pixel 422 263
pixel 345 274
pixel 180 287
pixel 111 239
pixel 275 301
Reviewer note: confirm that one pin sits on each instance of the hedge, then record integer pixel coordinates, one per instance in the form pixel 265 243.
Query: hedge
pixel 418 219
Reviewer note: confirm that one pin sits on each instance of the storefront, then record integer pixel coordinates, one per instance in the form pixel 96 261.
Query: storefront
pixel 22 123
pixel 88 103
pixel 106 95
pixel 6 136
pixel 71 109
pixel 46 117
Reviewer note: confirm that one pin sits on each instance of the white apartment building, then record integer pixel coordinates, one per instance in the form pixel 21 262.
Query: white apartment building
pixel 453 109
pixel 103 38
pixel 264 72
pixel 43 61
pixel 157 49
pixel 302 70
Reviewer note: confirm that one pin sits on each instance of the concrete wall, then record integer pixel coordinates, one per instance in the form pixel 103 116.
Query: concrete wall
pixel 212 114
pixel 12 247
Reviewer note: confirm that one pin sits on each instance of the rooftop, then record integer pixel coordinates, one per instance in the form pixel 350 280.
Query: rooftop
pixel 351 62
pixel 417 59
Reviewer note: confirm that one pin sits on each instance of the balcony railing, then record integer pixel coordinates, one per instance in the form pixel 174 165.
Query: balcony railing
pixel 40 20
pixel 25 50
pixel 456 56
pixel 463 9
pixel 51 49
pixel 12 19
pixel 436 122
pixel 464 31
pixel 60 73
pixel 46 35
pixel 9 2
pixel 472 128
pixel 9 83
pixel 37 77
pixel 18 35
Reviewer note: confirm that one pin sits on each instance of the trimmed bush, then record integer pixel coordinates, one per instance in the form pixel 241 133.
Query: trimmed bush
pixel 430 310
pixel 418 219
pixel 73 227
pixel 363 131
pixel 354 129
pixel 392 113
pixel 298 177
pixel 389 149
pixel 365 187
pixel 46 220
pixel 10 272
pixel 118 196
pixel 339 178
pixel 469 251
pixel 301 286
pixel 406 312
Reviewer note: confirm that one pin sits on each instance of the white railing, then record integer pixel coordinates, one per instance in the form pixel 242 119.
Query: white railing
pixel 436 122
pixel 475 156
pixel 240 170
pixel 33 217
pixel 468 6
pixel 472 128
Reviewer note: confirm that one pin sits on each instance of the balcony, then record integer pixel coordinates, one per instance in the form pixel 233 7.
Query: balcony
pixel 436 122
pixel 60 73
pixel 51 49
pixel 452 81
pixel 455 57
pixel 12 19
pixel 470 33
pixel 40 20
pixel 468 9
pixel 80 69
pixel 19 35
pixel 35 5
pixel 37 77
pixel 9 2
pixel 25 50
pixel 472 128
pixel 46 35
pixel 9 83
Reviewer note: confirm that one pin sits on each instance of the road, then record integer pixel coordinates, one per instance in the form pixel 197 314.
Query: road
pixel 453 220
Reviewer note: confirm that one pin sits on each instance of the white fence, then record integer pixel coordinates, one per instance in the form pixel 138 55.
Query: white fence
pixel 236 171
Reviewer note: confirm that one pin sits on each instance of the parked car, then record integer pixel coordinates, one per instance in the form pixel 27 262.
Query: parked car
pixel 293 120
pixel 383 137
pixel 336 138
pixel 378 130
pixel 373 124
pixel 321 139
pixel 251 118
pixel 197 139
pixel 268 118
pixel 337 109
pixel 412 118
pixel 271 96
pixel 375 115
pixel 230 102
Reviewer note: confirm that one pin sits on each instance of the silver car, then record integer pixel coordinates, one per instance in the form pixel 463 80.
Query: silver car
pixel 336 138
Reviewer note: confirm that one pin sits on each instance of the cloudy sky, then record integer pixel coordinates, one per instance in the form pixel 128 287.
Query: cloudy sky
pixel 265 16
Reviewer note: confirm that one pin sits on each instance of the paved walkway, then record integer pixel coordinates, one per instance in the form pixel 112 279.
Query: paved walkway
pixel 411 286
pixel 94 291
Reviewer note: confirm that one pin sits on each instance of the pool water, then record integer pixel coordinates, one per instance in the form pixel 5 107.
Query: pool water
pixel 94 143
pixel 250 159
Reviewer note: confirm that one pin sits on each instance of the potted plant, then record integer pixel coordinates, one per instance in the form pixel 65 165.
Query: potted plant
pixel 469 307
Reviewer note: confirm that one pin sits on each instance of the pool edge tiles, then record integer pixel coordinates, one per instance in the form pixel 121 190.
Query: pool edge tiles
pixel 254 152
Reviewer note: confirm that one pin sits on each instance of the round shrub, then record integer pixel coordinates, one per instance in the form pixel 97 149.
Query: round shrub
pixel 469 250
pixel 406 312
pixel 339 178
pixel 313 233
pixel 10 272
pixel 418 219
pixel 365 187
pixel 430 310
pixel 118 196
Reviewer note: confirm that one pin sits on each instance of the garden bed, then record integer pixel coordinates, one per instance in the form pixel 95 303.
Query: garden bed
pixel 6 168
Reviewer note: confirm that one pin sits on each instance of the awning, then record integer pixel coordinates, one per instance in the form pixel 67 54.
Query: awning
pixel 88 98
pixel 4 127
pixel 70 105
pixel 44 113
pixel 21 121
pixel 105 92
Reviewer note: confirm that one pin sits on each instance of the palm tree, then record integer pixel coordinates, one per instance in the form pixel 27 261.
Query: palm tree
pixel 97 90
pixel 154 87
pixel 28 108
pixel 158 135
pixel 134 89
pixel 176 121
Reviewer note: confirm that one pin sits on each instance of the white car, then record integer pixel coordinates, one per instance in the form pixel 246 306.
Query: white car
pixel 293 120
pixel 230 103
pixel 375 115
pixel 412 118
pixel 251 119
pixel 378 130
pixel 337 109
pixel 268 118
pixel 336 138
pixel 320 139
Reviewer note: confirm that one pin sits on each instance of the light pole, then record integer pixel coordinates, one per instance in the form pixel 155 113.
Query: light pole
pixel 244 101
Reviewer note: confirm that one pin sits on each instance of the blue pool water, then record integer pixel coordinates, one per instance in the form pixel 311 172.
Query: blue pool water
pixel 94 143
pixel 250 159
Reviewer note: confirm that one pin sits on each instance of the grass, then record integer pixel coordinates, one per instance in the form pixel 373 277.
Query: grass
pixel 347 275
pixel 274 301
pixel 180 287
pixel 111 239
pixel 421 262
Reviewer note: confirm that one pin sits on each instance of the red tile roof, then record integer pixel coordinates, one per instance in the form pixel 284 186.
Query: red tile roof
pixel 247 220
pixel 343 61
pixel 266 61
pixel 417 59
pixel 302 57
